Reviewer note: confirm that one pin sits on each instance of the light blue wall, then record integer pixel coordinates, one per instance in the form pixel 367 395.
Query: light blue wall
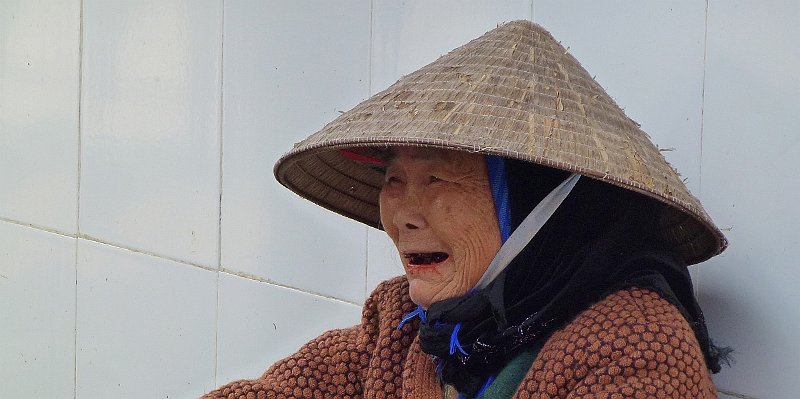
pixel 140 225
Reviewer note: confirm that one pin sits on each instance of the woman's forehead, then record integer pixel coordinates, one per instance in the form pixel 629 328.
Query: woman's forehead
pixel 426 158
pixel 424 154
pixel 415 153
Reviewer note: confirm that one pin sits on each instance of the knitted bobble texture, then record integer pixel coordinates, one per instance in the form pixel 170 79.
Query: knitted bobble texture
pixel 632 344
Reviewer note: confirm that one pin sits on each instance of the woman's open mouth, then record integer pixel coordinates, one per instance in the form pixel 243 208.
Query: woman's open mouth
pixel 425 259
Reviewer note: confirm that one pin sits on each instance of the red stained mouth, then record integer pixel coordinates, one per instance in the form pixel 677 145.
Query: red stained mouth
pixel 425 258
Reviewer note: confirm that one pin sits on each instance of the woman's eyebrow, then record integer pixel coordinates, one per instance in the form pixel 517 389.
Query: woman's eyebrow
pixel 388 156
pixel 423 156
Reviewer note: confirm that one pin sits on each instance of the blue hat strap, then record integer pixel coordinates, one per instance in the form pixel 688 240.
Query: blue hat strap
pixel 499 184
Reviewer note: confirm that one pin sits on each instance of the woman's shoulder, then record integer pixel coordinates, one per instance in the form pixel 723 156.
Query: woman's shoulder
pixel 635 308
pixel 391 287
pixel 630 340
pixel 388 302
pixel 390 293
pixel 634 318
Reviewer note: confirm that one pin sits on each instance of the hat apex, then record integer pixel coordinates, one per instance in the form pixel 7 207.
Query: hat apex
pixel 513 92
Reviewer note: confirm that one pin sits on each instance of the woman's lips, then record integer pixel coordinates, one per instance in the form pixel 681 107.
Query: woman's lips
pixel 425 260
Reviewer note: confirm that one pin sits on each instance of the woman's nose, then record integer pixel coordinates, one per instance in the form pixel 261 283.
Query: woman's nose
pixel 413 221
pixel 409 215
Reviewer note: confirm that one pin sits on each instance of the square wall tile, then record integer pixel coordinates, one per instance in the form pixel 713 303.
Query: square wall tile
pixel 150 118
pixel 39 72
pixel 37 309
pixel 750 147
pixel 261 323
pixel 383 260
pixel 410 34
pixel 146 326
pixel 283 82
pixel 649 58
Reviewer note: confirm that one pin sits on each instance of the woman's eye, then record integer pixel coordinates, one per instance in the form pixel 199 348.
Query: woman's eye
pixel 434 179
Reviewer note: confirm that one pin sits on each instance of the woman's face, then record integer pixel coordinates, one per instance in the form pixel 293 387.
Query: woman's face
pixel 437 207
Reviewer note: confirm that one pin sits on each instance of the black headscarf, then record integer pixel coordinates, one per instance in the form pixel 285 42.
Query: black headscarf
pixel 600 240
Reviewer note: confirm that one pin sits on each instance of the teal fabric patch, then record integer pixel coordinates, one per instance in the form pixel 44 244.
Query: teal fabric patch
pixel 507 381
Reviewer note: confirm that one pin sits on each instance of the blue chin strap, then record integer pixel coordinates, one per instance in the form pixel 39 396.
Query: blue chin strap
pixel 499 184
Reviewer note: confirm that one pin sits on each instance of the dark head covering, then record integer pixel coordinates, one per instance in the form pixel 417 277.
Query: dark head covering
pixel 600 240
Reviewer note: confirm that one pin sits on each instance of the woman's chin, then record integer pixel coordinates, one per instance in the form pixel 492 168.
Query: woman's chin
pixel 421 292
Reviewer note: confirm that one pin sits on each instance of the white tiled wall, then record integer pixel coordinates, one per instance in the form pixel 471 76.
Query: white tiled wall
pixel 751 148
pixel 39 61
pixel 251 335
pixel 150 126
pixel 278 90
pixel 146 250
pixel 146 326
pixel 37 313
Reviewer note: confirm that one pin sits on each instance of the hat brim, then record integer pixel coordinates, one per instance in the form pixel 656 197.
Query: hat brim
pixel 516 93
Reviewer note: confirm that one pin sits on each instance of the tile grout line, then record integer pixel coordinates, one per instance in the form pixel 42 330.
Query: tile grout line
pixel 86 237
pixel 289 287
pixel 699 273
pixel 96 240
pixel 219 215
pixel 37 227
pixel 371 44
pixel 78 203
pixel 369 93
pixel 735 395
pixel 222 269
pixel 703 101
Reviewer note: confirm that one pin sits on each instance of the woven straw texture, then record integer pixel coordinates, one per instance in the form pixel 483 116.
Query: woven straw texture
pixel 514 92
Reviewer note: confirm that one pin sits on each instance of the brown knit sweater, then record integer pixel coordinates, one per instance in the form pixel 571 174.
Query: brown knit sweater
pixel 632 344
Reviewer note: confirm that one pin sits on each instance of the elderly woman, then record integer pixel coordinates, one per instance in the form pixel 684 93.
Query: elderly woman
pixel 544 239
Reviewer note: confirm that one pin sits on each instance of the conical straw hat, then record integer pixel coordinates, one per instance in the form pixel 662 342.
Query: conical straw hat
pixel 513 92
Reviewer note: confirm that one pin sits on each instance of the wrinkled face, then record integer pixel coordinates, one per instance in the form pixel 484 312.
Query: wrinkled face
pixel 437 207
